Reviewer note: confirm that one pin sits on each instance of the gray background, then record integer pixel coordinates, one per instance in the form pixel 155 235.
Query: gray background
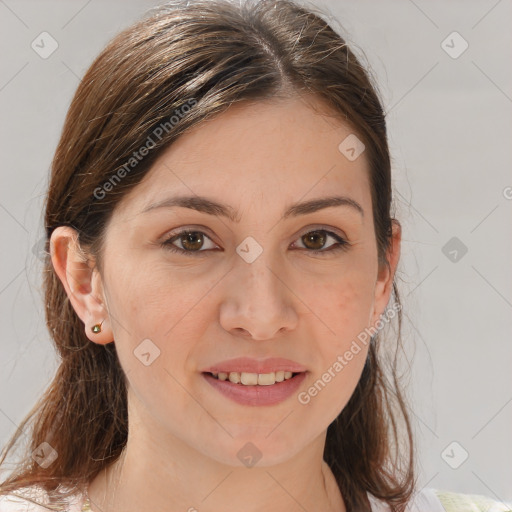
pixel 450 131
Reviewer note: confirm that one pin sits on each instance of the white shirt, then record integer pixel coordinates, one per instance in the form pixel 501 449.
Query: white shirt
pixel 426 500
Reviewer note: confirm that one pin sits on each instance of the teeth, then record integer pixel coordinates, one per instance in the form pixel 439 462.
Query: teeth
pixel 234 377
pixel 253 379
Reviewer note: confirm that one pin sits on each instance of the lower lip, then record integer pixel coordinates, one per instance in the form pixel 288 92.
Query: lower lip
pixel 257 395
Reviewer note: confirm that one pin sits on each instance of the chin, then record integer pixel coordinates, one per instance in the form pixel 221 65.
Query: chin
pixel 260 451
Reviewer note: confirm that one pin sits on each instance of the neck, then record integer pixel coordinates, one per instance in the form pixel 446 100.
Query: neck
pixel 160 471
pixel 121 487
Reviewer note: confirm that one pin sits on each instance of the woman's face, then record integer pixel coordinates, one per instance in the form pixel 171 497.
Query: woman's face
pixel 274 281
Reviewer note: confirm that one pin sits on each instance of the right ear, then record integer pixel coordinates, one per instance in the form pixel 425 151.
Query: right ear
pixel 82 282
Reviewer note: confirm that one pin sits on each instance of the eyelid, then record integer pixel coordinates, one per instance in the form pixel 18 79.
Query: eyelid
pixel 192 228
pixel 168 242
pixel 205 230
pixel 320 227
pixel 342 241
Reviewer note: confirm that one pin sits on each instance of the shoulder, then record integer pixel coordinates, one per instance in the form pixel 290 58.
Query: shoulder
pixel 435 500
pixel 35 499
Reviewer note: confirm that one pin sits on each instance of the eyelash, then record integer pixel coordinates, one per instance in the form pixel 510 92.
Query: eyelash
pixel 342 244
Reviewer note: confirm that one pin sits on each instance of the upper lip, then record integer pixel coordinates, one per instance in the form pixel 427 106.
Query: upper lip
pixel 250 365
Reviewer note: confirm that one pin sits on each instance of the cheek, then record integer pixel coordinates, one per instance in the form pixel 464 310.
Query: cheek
pixel 345 307
pixel 150 302
pixel 345 303
pixel 151 298
pixel 154 327
pixel 330 391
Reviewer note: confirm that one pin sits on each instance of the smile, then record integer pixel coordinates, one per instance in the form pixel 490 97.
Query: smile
pixel 256 388
pixel 254 379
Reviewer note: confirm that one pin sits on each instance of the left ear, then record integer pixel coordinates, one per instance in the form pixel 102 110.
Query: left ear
pixel 386 274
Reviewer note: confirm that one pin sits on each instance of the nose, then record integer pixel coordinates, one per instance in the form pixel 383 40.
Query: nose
pixel 258 302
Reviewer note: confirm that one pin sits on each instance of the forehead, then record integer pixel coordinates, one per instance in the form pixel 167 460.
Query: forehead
pixel 263 152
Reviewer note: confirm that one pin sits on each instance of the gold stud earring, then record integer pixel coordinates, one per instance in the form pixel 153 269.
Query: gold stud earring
pixel 96 328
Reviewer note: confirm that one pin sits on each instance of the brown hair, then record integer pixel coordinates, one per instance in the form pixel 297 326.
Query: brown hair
pixel 209 53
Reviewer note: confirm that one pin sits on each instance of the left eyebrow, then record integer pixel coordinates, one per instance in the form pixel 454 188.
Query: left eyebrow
pixel 211 207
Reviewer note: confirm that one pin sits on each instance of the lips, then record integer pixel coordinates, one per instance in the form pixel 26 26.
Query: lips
pixel 251 365
pixel 249 381
pixel 256 395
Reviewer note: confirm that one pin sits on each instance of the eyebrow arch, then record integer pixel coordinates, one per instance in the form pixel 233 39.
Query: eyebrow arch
pixel 211 207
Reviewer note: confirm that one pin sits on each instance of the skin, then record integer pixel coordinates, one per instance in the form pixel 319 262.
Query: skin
pixel 184 436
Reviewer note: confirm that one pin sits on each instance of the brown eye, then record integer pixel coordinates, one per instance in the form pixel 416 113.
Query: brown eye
pixel 314 240
pixel 195 243
pixel 192 241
